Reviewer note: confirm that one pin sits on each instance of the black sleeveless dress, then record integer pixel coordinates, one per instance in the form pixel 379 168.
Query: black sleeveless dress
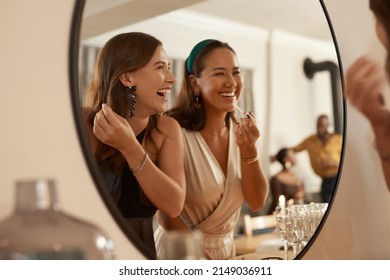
pixel 135 206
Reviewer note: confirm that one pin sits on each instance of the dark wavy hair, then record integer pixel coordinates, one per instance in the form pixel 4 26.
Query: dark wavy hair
pixel 184 110
pixel 281 155
pixel 381 10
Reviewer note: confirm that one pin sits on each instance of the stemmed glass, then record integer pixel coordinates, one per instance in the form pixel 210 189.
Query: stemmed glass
pixel 281 214
pixel 296 232
pixel 309 225
pixel 318 211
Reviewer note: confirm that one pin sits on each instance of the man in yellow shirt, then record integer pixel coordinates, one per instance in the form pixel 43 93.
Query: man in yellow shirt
pixel 324 150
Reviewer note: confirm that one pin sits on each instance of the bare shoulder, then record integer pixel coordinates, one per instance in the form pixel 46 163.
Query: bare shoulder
pixel 168 133
pixel 168 125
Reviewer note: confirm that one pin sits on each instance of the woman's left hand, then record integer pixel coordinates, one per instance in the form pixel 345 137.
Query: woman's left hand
pixel 247 134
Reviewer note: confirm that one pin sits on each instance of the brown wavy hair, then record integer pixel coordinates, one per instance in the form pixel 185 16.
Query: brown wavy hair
pixel 123 53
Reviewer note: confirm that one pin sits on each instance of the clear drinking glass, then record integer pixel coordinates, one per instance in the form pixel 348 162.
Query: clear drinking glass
pixel 281 218
pixel 38 229
pixel 182 245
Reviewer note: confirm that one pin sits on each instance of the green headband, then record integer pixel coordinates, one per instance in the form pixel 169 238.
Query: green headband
pixel 194 53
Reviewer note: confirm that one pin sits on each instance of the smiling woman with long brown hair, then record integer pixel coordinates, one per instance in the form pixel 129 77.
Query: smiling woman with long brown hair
pixel 139 152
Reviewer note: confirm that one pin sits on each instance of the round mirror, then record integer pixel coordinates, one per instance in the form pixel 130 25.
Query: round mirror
pixel 288 59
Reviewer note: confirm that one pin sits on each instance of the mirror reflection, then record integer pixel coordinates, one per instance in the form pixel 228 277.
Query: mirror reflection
pixel 258 123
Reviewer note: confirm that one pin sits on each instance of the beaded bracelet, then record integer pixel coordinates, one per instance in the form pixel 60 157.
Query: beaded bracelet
pixel 140 165
pixel 250 160
pixel 384 155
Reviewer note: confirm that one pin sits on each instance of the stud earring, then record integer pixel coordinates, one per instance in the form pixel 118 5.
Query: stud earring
pixel 197 103
pixel 131 95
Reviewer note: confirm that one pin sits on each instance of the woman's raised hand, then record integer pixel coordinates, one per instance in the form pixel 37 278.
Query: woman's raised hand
pixel 112 129
pixel 364 81
pixel 247 134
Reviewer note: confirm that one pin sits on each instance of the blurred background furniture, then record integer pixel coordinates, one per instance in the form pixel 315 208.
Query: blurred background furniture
pixel 258 224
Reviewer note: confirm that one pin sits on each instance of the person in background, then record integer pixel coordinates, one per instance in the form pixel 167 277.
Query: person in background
pixel 139 151
pixel 364 81
pixel 324 150
pixel 222 164
pixel 286 181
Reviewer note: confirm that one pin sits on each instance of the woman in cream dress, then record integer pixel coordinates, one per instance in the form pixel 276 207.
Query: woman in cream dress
pixel 222 164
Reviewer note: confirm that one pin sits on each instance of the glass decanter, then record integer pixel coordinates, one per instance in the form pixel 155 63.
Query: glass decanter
pixel 38 229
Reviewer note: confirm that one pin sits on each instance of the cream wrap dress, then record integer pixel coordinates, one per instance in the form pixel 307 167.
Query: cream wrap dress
pixel 213 200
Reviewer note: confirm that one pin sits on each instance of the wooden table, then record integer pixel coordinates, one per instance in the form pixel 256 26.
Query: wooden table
pixel 259 246
pixel 252 244
pixel 261 256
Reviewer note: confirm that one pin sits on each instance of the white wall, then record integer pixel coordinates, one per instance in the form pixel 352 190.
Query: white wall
pixel 296 101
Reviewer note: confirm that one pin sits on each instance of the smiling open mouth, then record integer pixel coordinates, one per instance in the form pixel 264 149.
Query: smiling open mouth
pixel 163 92
pixel 227 94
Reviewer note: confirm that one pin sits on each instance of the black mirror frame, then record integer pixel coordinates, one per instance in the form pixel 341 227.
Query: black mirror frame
pixel 74 43
pixel 320 226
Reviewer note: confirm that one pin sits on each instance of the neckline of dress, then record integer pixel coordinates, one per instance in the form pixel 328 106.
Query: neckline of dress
pixel 199 135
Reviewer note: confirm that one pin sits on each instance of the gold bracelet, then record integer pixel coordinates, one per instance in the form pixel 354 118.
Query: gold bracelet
pixel 250 160
pixel 140 165
pixel 383 155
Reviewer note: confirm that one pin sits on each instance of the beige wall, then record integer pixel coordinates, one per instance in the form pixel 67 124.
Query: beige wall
pixel 358 226
pixel 38 136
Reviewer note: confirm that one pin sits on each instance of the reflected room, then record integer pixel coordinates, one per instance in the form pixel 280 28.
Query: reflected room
pixel 289 67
